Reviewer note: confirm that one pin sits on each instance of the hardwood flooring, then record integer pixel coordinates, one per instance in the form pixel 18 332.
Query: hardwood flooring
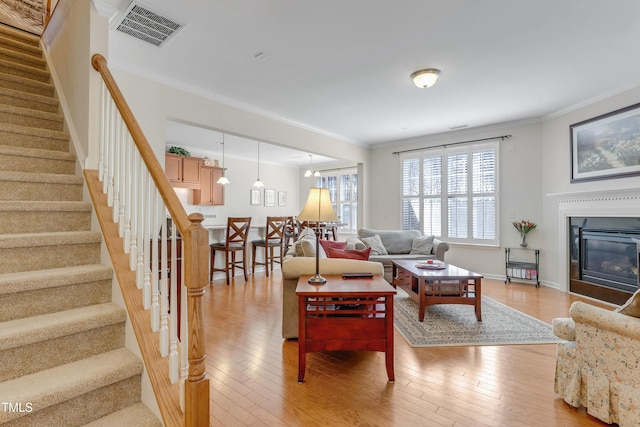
pixel 253 371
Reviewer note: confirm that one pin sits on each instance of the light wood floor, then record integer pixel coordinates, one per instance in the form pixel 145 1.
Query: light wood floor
pixel 253 371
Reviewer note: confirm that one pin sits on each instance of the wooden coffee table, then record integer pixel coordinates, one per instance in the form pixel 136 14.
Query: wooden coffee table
pixel 345 314
pixel 450 285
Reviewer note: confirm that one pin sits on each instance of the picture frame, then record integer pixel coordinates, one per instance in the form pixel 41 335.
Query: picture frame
pixel 282 198
pixel 607 146
pixel 269 198
pixel 254 196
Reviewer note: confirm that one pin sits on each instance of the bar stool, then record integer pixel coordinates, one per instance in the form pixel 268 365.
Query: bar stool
pixel 290 233
pixel 274 238
pixel 236 241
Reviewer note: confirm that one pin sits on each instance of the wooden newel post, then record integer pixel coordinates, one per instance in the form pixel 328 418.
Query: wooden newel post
pixel 196 266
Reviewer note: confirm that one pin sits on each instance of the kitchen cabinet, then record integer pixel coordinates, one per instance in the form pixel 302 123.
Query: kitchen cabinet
pixel 210 192
pixel 183 172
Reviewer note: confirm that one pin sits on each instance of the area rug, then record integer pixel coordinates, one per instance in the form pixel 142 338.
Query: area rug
pixel 456 325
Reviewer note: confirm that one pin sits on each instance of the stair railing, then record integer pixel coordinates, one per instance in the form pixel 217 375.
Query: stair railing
pixel 155 229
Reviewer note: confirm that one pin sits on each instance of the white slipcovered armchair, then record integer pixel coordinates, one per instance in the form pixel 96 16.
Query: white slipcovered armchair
pixel 598 366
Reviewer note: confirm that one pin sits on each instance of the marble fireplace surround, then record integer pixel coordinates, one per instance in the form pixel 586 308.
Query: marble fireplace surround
pixel 611 203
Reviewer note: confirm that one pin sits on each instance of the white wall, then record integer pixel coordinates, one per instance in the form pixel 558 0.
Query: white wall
pixel 520 159
pixel 557 174
pixel 153 104
pixel 73 35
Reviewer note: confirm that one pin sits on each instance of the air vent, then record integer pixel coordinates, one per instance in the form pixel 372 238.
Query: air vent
pixel 148 25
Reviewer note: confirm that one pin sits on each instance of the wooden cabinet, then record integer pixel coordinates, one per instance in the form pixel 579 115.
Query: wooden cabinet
pixel 183 172
pixel 210 192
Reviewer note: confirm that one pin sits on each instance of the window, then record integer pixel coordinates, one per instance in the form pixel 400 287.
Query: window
pixel 343 189
pixel 452 193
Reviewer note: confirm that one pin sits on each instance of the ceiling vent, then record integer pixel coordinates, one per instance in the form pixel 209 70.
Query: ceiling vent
pixel 148 25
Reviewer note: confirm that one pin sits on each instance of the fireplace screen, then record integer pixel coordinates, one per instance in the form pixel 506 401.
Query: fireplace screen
pixel 610 259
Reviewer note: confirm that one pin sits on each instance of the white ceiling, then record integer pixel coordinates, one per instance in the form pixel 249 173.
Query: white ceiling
pixel 342 67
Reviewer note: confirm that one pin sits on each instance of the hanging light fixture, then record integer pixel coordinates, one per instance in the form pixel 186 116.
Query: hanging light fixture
pixel 223 179
pixel 426 77
pixel 310 172
pixel 258 183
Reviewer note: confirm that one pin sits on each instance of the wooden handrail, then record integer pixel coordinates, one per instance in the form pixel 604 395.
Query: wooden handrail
pixel 195 261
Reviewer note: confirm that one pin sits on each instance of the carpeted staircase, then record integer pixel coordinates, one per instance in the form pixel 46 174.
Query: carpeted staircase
pixel 62 355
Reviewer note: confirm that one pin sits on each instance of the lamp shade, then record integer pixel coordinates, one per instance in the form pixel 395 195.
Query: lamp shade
pixel 425 78
pixel 318 207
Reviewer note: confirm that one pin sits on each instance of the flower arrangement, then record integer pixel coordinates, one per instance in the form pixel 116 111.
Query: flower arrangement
pixel 524 226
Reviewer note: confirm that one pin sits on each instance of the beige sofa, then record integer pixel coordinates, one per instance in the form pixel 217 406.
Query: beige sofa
pixel 598 364
pixel 293 267
pixel 399 244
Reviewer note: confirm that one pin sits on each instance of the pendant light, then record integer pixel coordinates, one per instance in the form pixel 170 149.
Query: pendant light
pixel 223 179
pixel 310 172
pixel 258 183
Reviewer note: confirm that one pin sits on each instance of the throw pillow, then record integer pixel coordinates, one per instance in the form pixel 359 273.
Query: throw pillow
pixel 362 255
pixel 422 245
pixel 306 244
pixel 375 243
pixel 330 244
pixel 632 306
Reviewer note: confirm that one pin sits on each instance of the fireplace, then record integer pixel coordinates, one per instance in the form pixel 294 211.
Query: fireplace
pixel 604 257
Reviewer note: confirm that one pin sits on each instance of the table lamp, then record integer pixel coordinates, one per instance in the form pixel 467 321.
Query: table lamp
pixel 318 209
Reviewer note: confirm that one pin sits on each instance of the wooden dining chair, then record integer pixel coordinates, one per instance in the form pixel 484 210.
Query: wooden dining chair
pixel 235 241
pixel 274 239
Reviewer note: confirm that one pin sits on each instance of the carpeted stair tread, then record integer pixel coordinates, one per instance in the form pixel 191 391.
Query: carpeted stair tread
pixel 26 130
pixel 10 33
pixel 28 71
pixel 23 332
pixel 20 159
pixel 26 84
pixel 50 178
pixel 20 44
pixel 54 277
pixel 137 415
pixel 28 100
pixel 56 385
pixel 23 58
pixel 30 240
pixel 43 206
pixel 28 117
pixel 37 216
pixel 36 153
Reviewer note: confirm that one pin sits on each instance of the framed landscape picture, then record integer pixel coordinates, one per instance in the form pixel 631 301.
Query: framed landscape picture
pixel 606 146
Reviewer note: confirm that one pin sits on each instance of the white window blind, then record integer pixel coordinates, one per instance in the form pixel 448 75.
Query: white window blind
pixel 343 190
pixel 452 193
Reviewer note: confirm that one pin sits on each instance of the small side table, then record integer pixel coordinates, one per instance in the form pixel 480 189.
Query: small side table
pixel 345 314
pixel 523 267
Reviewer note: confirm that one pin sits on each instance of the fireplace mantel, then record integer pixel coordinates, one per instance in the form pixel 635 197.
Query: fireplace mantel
pixel 610 203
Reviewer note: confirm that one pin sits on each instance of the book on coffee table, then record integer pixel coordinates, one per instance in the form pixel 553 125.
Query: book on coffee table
pixel 357 275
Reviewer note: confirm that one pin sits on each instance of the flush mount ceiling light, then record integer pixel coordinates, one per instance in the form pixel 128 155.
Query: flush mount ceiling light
pixel 425 78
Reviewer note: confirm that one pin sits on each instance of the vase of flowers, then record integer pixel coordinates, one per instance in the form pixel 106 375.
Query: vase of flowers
pixel 523 227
